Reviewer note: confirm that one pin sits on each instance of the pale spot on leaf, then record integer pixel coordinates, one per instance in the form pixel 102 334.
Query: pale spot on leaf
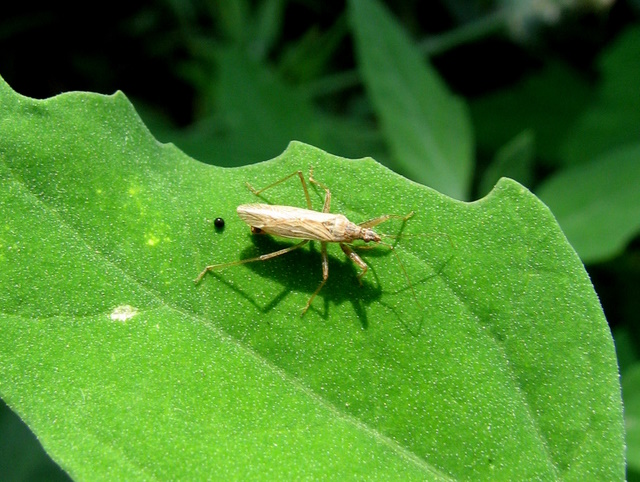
pixel 123 313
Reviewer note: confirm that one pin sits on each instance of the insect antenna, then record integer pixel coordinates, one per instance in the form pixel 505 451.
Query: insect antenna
pixel 391 247
pixel 404 272
pixel 400 263
pixel 411 235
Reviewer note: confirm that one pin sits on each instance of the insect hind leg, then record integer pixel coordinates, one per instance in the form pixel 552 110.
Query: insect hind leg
pixel 264 257
pixel 325 277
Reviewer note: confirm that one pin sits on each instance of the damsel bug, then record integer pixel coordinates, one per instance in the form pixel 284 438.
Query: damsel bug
pixel 307 225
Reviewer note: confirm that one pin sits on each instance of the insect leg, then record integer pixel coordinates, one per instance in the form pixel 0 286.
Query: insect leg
pixel 379 220
pixel 325 276
pixel 327 197
pixel 263 257
pixel 353 256
pixel 297 173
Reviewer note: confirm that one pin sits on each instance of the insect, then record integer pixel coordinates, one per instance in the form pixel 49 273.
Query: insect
pixel 219 223
pixel 307 225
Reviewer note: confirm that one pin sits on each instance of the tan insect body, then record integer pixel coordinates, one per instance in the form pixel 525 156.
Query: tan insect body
pixel 297 223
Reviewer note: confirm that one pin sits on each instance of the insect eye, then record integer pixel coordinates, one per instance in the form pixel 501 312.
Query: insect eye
pixel 255 230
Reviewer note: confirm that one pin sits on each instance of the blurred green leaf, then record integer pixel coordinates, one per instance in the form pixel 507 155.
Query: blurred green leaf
pixel 257 115
pixel 427 127
pixel 268 21
pixel 631 394
pixel 503 367
pixel 310 56
pixel 546 104
pixel 625 348
pixel 513 160
pixel 613 119
pixel 22 458
pixel 598 203
pixel 232 18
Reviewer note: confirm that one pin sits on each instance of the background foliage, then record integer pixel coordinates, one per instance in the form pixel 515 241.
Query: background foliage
pixel 551 95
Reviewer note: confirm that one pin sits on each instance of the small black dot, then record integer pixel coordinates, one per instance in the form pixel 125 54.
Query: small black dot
pixel 219 223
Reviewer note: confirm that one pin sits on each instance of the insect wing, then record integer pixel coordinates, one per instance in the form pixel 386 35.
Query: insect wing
pixel 292 222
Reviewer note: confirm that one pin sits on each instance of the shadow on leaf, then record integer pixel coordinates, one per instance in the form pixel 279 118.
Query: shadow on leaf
pixel 301 271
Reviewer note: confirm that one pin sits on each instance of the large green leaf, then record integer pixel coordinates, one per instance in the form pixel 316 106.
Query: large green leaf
pixel 427 127
pixel 502 366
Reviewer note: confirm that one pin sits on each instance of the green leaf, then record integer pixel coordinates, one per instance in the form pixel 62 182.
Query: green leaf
pixel 598 203
pixel 631 393
pixel 310 56
pixel 257 115
pixel 268 26
pixel 427 127
pixel 22 458
pixel 513 160
pixel 501 367
pixel 233 18
pixel 623 340
pixel 613 119
pixel 546 104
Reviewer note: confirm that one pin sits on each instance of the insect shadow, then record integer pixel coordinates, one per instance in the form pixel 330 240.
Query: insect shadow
pixel 300 271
